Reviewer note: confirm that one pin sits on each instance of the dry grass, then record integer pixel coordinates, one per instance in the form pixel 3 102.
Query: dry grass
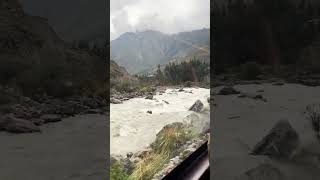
pixel 148 167
pixel 165 146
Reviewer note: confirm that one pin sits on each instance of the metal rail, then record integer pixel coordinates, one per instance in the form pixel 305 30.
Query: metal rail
pixel 195 167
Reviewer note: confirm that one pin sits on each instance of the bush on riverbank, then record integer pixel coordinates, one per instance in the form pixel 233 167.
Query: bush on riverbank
pixel 166 146
pixel 117 171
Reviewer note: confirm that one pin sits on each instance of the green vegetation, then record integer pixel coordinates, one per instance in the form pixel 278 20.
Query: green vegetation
pixel 186 72
pixel 149 166
pixel 166 146
pixel 117 171
pixel 193 70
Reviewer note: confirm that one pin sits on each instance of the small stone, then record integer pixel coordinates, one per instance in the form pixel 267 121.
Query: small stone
pixel 48 118
pixel 129 155
pixel 228 91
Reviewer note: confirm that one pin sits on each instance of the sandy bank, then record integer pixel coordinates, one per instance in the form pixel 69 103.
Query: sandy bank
pixel 72 149
pixel 239 123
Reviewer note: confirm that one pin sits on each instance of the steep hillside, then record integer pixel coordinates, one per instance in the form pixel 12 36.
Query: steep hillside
pixel 34 58
pixel 117 72
pixel 72 19
pixel 143 51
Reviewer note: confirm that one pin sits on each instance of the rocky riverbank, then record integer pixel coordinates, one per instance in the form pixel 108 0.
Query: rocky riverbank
pixel 20 114
pixel 140 125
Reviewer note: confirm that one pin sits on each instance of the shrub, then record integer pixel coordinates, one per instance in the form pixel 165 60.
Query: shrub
pixel 148 167
pixel 117 172
pixel 313 114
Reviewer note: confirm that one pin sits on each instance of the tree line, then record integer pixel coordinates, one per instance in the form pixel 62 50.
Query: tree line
pixel 193 70
pixel 269 32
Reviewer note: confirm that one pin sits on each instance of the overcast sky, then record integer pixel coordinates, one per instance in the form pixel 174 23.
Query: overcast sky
pixel 168 16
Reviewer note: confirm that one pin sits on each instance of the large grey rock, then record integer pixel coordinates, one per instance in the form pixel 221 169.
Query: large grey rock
pixel 281 141
pixel 12 124
pixel 262 172
pixel 197 106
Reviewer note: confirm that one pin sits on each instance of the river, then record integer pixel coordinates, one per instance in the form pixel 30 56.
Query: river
pixel 133 129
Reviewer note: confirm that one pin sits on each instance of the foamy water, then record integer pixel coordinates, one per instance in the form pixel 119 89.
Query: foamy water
pixel 133 129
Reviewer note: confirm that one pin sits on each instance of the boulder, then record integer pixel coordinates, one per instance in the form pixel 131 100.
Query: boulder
pixel 281 141
pixel 150 96
pixel 115 101
pixel 150 112
pixel 197 106
pixel 228 91
pixel 12 124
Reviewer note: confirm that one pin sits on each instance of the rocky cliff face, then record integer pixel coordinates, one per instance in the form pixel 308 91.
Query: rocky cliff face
pixel 33 57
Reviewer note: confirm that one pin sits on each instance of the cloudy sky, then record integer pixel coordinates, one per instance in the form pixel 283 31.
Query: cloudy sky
pixel 168 16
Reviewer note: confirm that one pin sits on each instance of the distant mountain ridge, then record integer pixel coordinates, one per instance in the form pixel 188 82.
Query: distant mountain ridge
pixel 142 51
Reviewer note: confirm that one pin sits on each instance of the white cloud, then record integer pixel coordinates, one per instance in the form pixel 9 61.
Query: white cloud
pixel 168 16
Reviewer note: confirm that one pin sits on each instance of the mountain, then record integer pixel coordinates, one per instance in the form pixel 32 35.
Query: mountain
pixel 142 51
pixel 34 57
pixel 117 72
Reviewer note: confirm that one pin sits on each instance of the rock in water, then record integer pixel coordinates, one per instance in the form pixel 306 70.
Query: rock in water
pixel 262 172
pixel 115 101
pixel 149 97
pixel 15 125
pixel 197 106
pixel 228 91
pixel 165 101
pixel 281 141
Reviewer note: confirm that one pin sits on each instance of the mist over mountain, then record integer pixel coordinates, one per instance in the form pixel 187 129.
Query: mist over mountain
pixel 142 51
pixel 72 19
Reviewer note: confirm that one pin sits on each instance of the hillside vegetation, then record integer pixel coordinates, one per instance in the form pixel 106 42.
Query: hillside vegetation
pixel 34 60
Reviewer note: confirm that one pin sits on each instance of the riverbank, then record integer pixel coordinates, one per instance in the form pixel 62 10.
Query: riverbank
pixel 21 114
pixel 140 127
pixel 133 128
pixel 250 113
pixel 74 148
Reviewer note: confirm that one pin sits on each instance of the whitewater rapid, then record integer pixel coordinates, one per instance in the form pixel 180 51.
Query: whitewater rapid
pixel 133 129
